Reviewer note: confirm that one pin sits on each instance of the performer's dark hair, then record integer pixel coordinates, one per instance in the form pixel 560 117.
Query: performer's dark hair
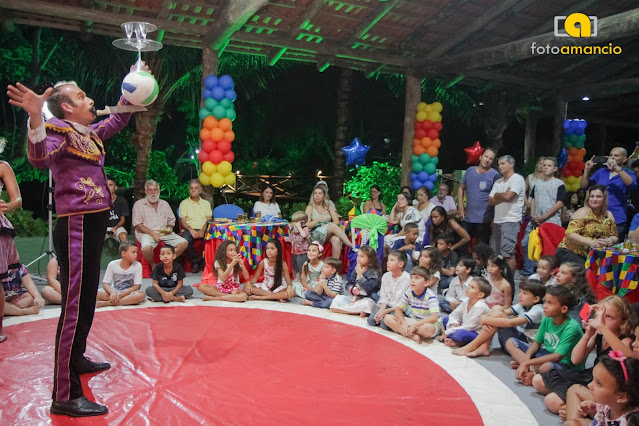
pixel 55 101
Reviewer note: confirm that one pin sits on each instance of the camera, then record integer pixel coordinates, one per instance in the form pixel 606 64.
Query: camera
pixel 600 159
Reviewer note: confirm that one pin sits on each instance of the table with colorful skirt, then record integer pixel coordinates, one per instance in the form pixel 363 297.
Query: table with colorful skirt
pixel 613 271
pixel 250 237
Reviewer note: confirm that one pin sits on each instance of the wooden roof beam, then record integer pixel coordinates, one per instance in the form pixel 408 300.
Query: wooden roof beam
pixel 233 16
pixel 609 28
pixel 608 88
pixel 305 18
pixel 451 7
pixel 380 11
pixel 166 8
pixel 509 79
pixel 323 62
pixel 479 23
pixel 580 6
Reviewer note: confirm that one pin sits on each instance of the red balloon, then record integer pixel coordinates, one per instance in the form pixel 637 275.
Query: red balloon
pixel 216 157
pixel 576 173
pixel 417 125
pixel 433 134
pixel 224 146
pixel 438 126
pixel 473 153
pixel 229 156
pixel 565 172
pixel 427 125
pixel 420 133
pixel 582 166
pixel 208 146
pixel 203 156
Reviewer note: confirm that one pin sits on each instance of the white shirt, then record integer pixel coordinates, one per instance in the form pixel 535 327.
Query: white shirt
pixel 509 212
pixel 457 290
pixel 463 319
pixel 393 289
pixel 551 281
pixel 272 209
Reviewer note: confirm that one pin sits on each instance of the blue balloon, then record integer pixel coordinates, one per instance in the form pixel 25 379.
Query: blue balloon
pixel 562 158
pixel 566 124
pixel 355 153
pixel 579 131
pixel 429 185
pixel 568 131
pixel 226 82
pixel 422 176
pixel 210 82
pixel 218 93
pixel 582 124
pixel 412 175
pixel 417 184
pixel 433 178
pixel 206 93
pixel 230 95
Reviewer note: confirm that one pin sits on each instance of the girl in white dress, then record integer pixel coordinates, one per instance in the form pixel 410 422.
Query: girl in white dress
pixel 276 284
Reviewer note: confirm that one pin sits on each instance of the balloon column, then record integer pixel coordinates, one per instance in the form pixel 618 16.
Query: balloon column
pixel 426 145
pixel 217 131
pixel 574 140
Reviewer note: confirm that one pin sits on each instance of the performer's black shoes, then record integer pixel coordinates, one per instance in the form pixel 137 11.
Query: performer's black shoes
pixel 79 407
pixel 93 367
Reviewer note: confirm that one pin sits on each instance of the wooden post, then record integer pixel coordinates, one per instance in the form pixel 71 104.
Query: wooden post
pixel 561 107
pixel 341 132
pixel 530 138
pixel 209 67
pixel 413 95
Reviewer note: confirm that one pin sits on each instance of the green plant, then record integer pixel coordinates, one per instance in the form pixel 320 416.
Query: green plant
pixel 25 224
pixel 385 175
pixel 289 208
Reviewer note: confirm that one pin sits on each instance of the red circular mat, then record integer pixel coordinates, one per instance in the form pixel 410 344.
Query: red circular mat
pixel 212 365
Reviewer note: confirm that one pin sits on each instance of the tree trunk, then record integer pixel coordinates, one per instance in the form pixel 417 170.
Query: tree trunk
pixel 530 138
pixel 496 108
pixel 561 107
pixel 339 165
pixel 145 125
pixel 413 96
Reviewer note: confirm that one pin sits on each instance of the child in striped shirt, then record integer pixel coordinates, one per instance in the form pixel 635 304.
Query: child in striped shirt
pixel 424 308
pixel 329 285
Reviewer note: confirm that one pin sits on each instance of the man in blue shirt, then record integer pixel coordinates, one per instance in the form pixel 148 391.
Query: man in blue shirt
pixel 619 181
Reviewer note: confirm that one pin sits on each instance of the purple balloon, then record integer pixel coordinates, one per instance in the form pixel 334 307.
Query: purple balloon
pixel 417 184
pixel 230 95
pixel 206 93
pixel 218 93
pixel 210 82
pixel 226 82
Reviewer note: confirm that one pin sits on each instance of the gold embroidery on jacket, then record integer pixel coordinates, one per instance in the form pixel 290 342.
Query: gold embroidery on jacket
pixel 91 190
pixel 84 146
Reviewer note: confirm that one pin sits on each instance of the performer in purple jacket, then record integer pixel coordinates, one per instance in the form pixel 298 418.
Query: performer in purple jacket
pixel 71 147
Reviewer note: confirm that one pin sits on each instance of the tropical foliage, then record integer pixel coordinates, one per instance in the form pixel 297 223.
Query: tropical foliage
pixel 385 175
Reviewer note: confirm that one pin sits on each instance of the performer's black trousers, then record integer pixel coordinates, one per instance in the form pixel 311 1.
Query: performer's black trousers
pixel 78 244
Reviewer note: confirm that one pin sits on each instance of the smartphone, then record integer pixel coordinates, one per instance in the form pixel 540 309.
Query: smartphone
pixel 600 159
pixel 585 313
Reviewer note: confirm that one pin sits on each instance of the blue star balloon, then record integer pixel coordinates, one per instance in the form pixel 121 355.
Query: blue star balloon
pixel 355 153
pixel 562 158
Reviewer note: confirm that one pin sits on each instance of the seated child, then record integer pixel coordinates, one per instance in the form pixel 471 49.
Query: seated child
pixel 558 333
pixel 423 306
pixel 329 285
pixel 457 290
pixel 361 286
pixel 123 279
pixel 546 270
pixel 228 266
pixel 52 292
pixel 462 326
pixel 573 277
pixel 501 294
pixel 276 284
pixel 168 277
pixel 513 321
pixel 409 244
pixel 395 282
pixel 21 295
pixel 311 270
pixel 432 261
pixel 480 254
pixel 299 238
pixel 449 259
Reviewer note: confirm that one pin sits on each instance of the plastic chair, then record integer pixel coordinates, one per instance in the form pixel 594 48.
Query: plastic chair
pixel 227 211
pixel 372 230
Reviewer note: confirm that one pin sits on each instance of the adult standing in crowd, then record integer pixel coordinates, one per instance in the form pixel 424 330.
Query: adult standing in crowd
pixel 591 226
pixel 194 213
pixel 532 179
pixel 477 183
pixel 267 205
pixel 507 196
pixel 619 181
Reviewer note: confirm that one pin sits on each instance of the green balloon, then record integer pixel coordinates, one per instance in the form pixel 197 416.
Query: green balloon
pixel 226 103
pixel 210 103
pixel 434 160
pixel 579 144
pixel 568 144
pixel 414 158
pixel 417 167
pixel 203 113
pixel 424 159
pixel 430 168
pixel 581 138
pixel 573 138
pixel 219 112
pixel 230 114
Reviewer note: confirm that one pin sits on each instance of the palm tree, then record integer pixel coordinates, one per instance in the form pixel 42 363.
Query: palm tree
pixel 343 98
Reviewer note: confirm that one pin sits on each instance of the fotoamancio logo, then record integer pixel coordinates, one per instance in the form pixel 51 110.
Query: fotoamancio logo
pixel 576 25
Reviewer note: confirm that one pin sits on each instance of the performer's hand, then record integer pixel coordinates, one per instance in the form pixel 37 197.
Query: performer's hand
pixel 25 98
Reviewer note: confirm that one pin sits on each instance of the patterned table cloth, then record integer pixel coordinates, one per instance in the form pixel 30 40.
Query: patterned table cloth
pixel 616 270
pixel 251 237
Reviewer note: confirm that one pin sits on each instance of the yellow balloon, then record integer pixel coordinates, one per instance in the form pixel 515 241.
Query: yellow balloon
pixel 429 108
pixel 204 179
pixel 229 179
pixel 217 180
pixel 434 116
pixel 224 168
pixel 208 168
pixel 421 116
pixel 421 106
pixel 437 107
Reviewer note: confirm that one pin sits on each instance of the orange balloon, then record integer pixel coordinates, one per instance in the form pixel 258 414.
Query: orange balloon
pixel 229 136
pixel 437 143
pixel 426 142
pixel 217 134
pixel 432 151
pixel 582 151
pixel 204 134
pixel 419 150
pixel 225 124
pixel 573 151
pixel 210 122
pixel 416 142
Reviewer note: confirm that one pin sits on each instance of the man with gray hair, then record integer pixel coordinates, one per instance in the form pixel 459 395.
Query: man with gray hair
pixel 507 196
pixel 195 212
pixel 153 221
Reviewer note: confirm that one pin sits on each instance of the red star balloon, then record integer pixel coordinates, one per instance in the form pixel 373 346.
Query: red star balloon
pixel 473 153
